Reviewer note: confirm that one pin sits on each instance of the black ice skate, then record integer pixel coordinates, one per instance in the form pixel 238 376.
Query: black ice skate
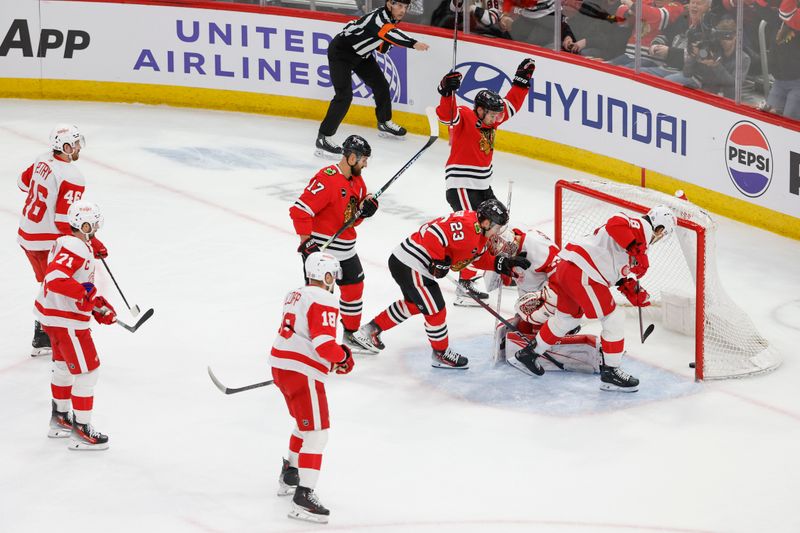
pixel 325 148
pixel 612 378
pixel 60 423
pixel 85 437
pixel 368 337
pixel 306 506
pixel 288 479
pixel 41 342
pixel 390 130
pixel 449 359
pixel 464 289
pixel 527 362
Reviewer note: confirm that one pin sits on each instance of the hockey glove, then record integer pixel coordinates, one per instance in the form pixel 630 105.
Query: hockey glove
pixel 635 294
pixel 639 261
pixel 369 206
pixel 103 312
pixel 87 302
pixel 524 72
pixel 308 247
pixel 505 264
pixel 345 366
pixel 100 250
pixel 450 83
pixel 440 268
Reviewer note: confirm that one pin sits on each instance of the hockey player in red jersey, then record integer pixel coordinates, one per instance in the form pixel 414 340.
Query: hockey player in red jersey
pixel 65 305
pixel 52 184
pixel 334 194
pixel 303 354
pixel 443 244
pixel 587 269
pixel 468 172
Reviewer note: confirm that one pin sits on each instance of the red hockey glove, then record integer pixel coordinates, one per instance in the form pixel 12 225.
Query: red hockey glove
pixel 450 83
pixel 369 206
pixel 308 247
pixel 639 261
pixel 635 293
pixel 100 250
pixel 505 264
pixel 524 72
pixel 103 312
pixel 87 302
pixel 440 268
pixel 345 366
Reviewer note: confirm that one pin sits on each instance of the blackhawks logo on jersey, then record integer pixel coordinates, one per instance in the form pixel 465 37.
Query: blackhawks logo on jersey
pixel 350 210
pixel 330 171
pixel 487 140
pixel 464 263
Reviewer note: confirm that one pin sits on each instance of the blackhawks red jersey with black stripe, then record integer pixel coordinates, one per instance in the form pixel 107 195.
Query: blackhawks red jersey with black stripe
pixel 52 186
pixel 470 163
pixel 326 203
pixel 457 236
pixel 69 263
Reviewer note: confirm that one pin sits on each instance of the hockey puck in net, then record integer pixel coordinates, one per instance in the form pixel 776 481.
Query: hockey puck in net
pixel 691 365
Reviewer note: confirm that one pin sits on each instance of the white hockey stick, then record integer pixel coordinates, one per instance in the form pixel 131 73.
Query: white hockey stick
pixel 496 354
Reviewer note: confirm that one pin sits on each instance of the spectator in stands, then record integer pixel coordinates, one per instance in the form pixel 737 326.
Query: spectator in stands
pixel 672 48
pixel 530 21
pixel 484 17
pixel 709 62
pixel 590 20
pixel 657 15
pixel 784 63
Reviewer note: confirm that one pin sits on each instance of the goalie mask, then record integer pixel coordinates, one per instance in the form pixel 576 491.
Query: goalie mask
pixel 66 138
pixel 320 263
pixel 504 243
pixel 85 217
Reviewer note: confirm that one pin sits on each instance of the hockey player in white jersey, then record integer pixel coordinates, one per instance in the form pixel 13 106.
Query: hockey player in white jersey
pixel 303 354
pixel 66 303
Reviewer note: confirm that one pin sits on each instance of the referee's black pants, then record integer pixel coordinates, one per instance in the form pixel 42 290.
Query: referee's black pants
pixel 343 61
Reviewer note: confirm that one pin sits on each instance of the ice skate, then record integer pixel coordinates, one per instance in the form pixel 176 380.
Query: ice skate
pixel 390 130
pixel 368 337
pixel 358 344
pixel 463 298
pixel 449 359
pixel 306 506
pixel 41 342
pixel 85 437
pixel 60 423
pixel 326 148
pixel 526 361
pixel 613 378
pixel 288 479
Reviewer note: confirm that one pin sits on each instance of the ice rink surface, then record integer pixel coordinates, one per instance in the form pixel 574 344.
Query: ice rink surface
pixel 196 206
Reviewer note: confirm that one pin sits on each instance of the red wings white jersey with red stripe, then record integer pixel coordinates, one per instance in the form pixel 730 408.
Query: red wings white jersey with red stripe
pixel 603 255
pixel 306 341
pixel 457 236
pixel 325 205
pixel 52 186
pixel 69 258
pixel 543 255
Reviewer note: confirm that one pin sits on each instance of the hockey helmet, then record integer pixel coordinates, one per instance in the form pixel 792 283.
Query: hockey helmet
pixel 66 134
pixel 489 100
pixel 504 243
pixel 494 211
pixel 84 212
pixel 320 263
pixel 358 145
pixel 662 216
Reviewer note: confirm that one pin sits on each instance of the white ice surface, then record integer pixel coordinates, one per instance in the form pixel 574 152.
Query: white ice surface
pixel 197 226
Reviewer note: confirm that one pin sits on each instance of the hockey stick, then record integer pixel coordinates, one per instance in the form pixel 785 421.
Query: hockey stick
pixel 433 122
pixel 496 353
pixel 453 69
pixel 643 332
pixel 228 390
pixel 147 314
pixel 135 309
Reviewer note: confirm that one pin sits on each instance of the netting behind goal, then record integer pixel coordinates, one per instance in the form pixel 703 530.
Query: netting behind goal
pixel 727 343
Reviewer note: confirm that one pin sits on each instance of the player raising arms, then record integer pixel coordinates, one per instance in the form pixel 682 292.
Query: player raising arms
pixel 330 199
pixel 303 354
pixel 443 244
pixel 66 303
pixel 53 182
pixel 468 172
pixel 588 268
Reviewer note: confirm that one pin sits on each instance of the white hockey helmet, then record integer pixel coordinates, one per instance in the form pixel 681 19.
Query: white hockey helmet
pixel 66 134
pixel 661 215
pixel 320 263
pixel 504 242
pixel 84 212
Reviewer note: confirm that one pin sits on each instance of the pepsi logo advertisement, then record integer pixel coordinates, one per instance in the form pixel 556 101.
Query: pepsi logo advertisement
pixel 748 157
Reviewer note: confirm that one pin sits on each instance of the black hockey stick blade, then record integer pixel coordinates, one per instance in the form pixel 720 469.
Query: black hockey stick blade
pixel 647 332
pixel 227 390
pixel 144 318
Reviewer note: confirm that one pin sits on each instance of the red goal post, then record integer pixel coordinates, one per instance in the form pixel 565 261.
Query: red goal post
pixel 682 269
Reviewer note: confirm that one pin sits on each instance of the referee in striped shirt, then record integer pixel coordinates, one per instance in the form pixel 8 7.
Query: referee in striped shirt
pixel 351 51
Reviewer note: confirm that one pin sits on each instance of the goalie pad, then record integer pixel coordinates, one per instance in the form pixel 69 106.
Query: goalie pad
pixel 573 353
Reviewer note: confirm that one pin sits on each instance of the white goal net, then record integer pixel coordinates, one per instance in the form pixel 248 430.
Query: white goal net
pixel 683 265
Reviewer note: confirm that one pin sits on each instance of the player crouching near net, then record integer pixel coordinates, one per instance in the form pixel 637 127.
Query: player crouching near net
pixel 536 303
pixel 588 268
pixel 66 302
pixel 303 354
pixel 443 244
